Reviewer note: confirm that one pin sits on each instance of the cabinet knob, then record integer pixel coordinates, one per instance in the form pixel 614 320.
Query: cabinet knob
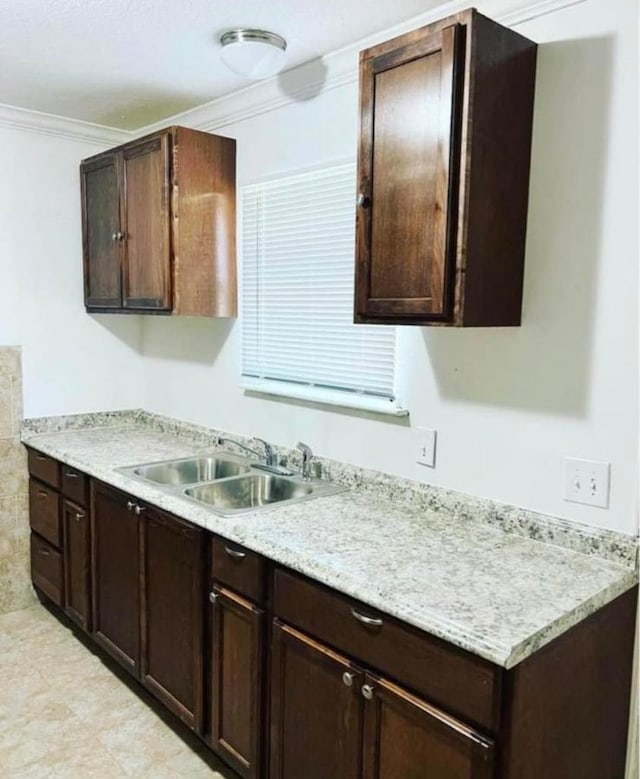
pixel 367 691
pixel 139 509
pixel 121 236
pixel 347 679
pixel 114 236
pixel 213 597
pixel 130 505
pixel 363 201
pixel 79 516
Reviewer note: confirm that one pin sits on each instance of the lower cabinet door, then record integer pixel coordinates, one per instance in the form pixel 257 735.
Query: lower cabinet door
pixel 316 710
pixel 115 557
pixel 76 563
pixel 406 737
pixel 237 663
pixel 172 614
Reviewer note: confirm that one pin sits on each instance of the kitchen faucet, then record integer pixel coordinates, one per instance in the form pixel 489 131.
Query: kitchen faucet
pixel 270 457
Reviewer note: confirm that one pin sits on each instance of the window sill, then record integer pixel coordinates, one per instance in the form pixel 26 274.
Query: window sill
pixel 326 396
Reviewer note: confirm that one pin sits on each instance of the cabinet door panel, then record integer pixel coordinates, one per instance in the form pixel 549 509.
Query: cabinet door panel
pixel 406 737
pixel 101 226
pixel 237 682
pixel 172 614
pixel 147 262
pixel 408 177
pixel 116 576
pixel 315 716
pixel 76 563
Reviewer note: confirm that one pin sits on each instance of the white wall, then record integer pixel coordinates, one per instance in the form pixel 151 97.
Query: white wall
pixel 508 404
pixel 72 362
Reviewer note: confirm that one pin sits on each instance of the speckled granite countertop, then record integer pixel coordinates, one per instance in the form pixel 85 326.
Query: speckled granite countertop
pixel 497 594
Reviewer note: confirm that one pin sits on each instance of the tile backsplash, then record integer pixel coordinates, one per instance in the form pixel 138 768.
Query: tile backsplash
pixel 15 581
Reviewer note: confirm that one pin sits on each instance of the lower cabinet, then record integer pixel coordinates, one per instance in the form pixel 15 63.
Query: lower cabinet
pixel 75 523
pixel 172 613
pixel 236 691
pixel 330 718
pixel 116 575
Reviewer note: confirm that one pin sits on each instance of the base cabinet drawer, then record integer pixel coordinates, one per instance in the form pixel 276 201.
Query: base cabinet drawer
pixel 44 468
pixel 466 685
pixel 44 512
pixel 46 569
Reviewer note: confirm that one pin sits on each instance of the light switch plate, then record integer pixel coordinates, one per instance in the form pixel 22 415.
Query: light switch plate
pixel 426 448
pixel 587 481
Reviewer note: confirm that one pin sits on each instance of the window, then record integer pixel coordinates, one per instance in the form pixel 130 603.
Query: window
pixel 299 339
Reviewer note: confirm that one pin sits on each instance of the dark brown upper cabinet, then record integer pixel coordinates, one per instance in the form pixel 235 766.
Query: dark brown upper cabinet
pixel 158 221
pixel 446 116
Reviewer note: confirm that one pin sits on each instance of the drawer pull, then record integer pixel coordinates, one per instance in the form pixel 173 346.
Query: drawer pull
pixel 367 691
pixel 70 475
pixel 41 457
pixel 44 552
pixel 234 553
pixel 371 622
pixel 78 515
pixel 213 597
pixel 42 494
pixel 347 679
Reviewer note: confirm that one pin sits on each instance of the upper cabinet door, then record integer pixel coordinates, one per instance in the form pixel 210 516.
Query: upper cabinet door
pixel 408 179
pixel 146 224
pixel 101 232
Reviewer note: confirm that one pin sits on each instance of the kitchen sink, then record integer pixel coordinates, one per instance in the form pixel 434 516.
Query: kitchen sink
pixel 191 470
pixel 227 484
pixel 250 491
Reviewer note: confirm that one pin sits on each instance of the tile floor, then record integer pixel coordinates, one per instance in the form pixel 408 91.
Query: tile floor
pixel 64 713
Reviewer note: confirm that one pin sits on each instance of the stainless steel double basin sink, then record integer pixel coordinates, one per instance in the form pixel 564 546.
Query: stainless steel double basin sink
pixel 229 484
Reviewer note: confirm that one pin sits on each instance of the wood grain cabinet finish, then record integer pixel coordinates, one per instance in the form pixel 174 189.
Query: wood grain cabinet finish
pixel 46 569
pixel 443 175
pixel 44 512
pixel 316 709
pixel 158 218
pixel 77 569
pixel 331 718
pixel 172 613
pixel 239 568
pixel 44 468
pixel 237 682
pixel 115 558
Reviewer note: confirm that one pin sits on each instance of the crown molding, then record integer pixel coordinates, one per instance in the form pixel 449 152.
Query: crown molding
pixel 334 70
pixel 60 126
pixel 339 67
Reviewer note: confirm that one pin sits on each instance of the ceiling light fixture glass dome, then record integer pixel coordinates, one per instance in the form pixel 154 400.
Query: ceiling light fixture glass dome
pixel 253 54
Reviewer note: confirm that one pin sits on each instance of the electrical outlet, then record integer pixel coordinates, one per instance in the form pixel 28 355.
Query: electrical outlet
pixel 426 447
pixel 586 481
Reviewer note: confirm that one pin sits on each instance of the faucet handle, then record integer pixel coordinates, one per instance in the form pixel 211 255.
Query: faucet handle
pixel 307 456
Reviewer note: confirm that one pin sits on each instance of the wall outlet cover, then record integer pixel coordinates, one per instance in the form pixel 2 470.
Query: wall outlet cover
pixel 587 481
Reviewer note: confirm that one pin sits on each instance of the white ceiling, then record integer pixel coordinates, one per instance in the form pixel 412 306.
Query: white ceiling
pixel 127 63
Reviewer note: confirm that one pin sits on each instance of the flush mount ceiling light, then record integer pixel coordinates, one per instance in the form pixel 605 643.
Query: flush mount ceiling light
pixel 253 53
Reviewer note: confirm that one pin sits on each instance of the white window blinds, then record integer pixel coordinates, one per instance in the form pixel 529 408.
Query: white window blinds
pixel 297 304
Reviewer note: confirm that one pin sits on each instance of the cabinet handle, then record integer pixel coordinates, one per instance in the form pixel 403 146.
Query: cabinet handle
pixel 121 236
pixel 347 679
pixel 369 621
pixel 70 475
pixel 42 494
pixel 41 457
pixel 234 553
pixel 114 236
pixel 44 552
pixel 139 509
pixel 363 201
pixel 367 691
pixel 213 597
pixel 78 515
pixel 130 505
